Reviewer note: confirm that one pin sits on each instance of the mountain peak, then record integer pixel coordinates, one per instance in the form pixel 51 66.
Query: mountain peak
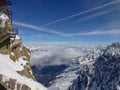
pixel 113 49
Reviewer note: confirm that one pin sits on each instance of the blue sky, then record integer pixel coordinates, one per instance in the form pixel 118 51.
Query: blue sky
pixel 82 21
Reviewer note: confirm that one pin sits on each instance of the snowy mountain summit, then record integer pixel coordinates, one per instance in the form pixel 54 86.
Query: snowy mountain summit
pixel 103 74
pixel 113 50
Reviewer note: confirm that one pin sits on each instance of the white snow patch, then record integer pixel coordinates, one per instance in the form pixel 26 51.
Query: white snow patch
pixel 21 61
pixel 4 17
pixel 17 37
pixel 5 79
pixel 10 68
pixel 12 54
pixel 118 87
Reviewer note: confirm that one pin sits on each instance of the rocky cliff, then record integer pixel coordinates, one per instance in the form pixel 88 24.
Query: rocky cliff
pixel 16 73
pixel 15 70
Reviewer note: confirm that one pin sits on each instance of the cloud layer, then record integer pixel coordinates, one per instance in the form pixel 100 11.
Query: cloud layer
pixel 53 55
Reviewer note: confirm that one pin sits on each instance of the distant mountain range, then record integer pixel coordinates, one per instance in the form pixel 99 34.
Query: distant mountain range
pixel 95 68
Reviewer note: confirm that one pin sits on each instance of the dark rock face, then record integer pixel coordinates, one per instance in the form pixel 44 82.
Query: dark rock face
pixel 104 74
pixel 107 71
pixel 2 88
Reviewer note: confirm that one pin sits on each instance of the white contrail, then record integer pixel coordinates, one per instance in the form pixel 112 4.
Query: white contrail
pixel 90 33
pixel 87 11
pixel 38 28
pixel 94 16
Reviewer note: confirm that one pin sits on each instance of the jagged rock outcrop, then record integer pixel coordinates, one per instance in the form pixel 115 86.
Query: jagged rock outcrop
pixel 23 53
pixel 17 73
pixel 104 74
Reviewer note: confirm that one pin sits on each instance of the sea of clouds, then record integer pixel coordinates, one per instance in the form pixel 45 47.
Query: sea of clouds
pixel 54 54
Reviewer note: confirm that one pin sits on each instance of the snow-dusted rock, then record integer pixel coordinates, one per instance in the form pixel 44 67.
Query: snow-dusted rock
pixel 104 74
pixel 15 71
pixel 86 58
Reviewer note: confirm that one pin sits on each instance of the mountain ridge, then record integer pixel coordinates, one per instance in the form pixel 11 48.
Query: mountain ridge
pixel 103 74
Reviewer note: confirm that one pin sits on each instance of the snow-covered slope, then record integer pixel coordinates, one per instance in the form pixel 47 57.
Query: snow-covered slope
pixel 12 73
pixel 104 74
